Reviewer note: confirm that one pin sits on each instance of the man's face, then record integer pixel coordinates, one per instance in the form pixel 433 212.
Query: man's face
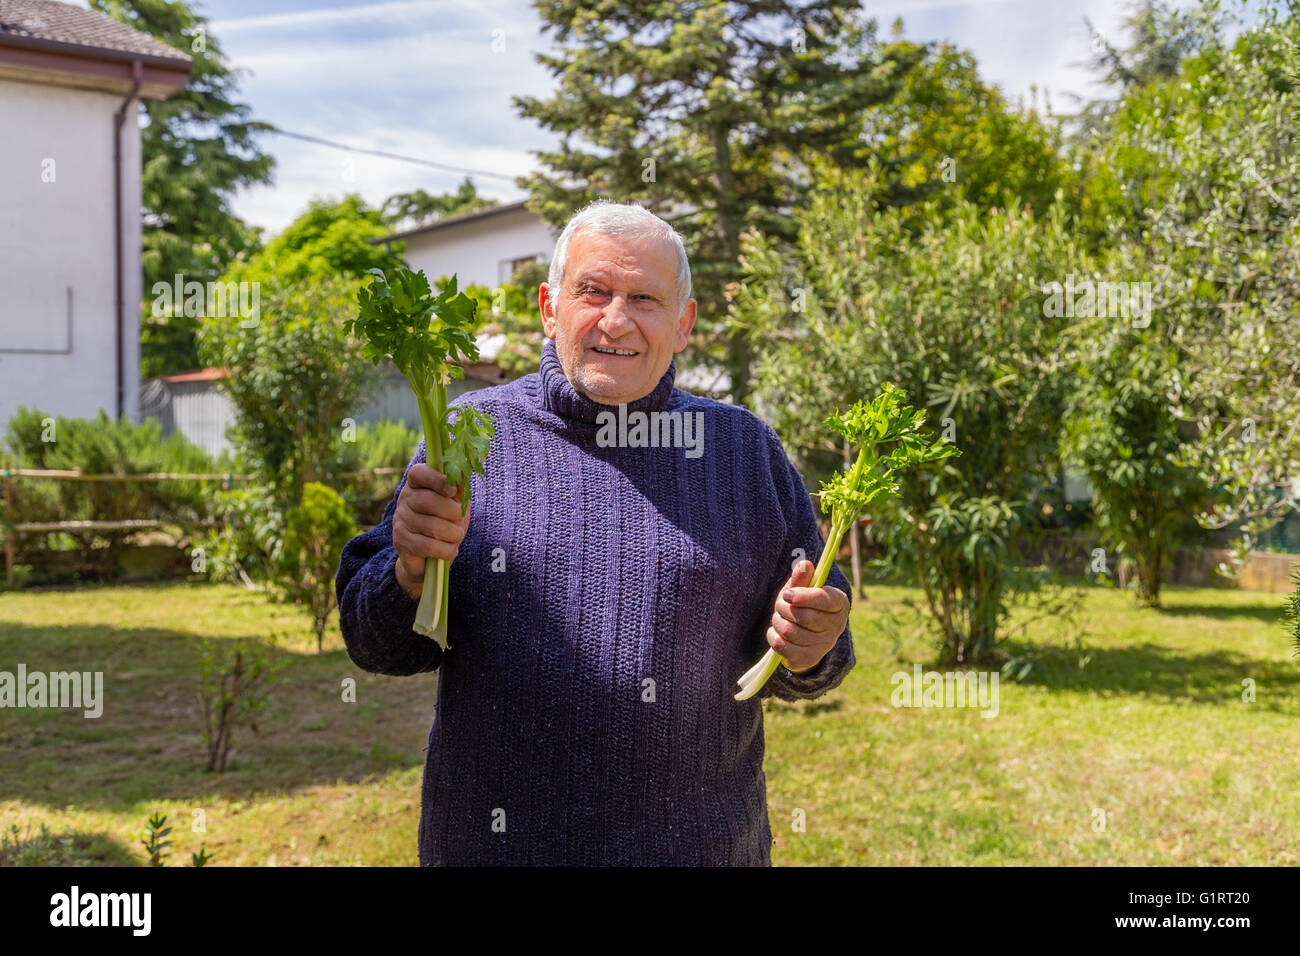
pixel 617 296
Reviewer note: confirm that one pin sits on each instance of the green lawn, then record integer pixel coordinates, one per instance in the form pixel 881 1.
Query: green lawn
pixel 1152 732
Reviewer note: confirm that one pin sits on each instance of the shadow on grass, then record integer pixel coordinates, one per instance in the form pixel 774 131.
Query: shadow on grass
pixel 1151 670
pixel 823 707
pixel 69 848
pixel 1219 612
pixel 805 708
pixel 147 745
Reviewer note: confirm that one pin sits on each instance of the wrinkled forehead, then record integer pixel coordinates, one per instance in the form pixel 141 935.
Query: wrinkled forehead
pixel 610 259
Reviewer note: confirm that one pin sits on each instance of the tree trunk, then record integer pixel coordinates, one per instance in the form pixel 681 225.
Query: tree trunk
pixel 1149 569
pixel 729 233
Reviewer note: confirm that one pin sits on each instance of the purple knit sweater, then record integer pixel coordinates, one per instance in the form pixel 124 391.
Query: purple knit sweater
pixel 603 604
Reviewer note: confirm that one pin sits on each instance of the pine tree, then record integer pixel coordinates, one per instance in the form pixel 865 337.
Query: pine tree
pixel 701 110
pixel 1162 36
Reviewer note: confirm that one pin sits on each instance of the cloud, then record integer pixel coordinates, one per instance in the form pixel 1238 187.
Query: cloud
pixel 397 11
pixel 305 170
pixel 420 77
pixel 407 78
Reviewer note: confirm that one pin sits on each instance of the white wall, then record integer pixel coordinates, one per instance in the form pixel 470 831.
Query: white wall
pixel 478 252
pixel 58 235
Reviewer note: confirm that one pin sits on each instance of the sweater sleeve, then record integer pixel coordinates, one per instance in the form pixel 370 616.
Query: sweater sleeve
pixel 375 614
pixel 803 533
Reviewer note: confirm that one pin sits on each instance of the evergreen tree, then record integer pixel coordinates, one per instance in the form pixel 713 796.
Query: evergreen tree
pixel 197 148
pixel 1161 37
pixel 702 110
pixel 419 207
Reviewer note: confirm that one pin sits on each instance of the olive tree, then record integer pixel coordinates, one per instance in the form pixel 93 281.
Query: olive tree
pixel 951 308
pixel 1207 165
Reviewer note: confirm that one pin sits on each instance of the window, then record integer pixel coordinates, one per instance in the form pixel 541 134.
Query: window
pixel 509 266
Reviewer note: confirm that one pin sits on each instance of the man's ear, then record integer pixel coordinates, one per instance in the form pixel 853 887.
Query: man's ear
pixel 548 315
pixel 684 325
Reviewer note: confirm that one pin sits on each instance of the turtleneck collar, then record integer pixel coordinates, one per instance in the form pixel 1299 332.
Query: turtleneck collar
pixel 561 397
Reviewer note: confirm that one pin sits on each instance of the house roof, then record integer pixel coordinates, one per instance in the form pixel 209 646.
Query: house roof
pixel 199 375
pixel 450 221
pixel 677 209
pixel 69 25
pixel 67 45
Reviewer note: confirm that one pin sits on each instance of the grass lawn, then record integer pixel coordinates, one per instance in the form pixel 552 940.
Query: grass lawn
pixel 1151 737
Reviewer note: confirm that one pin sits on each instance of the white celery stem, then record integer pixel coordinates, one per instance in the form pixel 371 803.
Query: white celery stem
pixel 752 681
pixel 431 615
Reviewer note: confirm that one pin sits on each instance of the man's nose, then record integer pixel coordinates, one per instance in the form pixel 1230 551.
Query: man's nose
pixel 614 320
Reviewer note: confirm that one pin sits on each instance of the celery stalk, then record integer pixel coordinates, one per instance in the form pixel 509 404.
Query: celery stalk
pixel 846 496
pixel 429 338
pixel 430 615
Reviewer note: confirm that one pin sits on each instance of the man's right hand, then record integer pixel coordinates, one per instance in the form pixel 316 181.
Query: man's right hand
pixel 427 523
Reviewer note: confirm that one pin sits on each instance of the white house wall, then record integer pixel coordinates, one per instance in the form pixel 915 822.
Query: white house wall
pixel 56 241
pixel 479 251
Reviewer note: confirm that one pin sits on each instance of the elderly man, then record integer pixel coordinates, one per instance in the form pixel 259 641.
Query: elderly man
pixel 606 590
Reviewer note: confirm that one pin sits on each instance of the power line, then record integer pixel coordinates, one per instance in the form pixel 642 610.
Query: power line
pixel 378 152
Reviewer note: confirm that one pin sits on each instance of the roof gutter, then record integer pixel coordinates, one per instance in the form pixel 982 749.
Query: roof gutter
pixel 137 76
pixel 179 62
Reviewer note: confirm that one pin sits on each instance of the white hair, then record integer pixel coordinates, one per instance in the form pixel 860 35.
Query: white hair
pixel 622 221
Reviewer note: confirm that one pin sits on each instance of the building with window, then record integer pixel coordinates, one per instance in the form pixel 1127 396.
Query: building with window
pixel 71 81
pixel 483 247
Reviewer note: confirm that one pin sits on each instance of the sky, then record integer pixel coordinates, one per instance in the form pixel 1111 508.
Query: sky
pixel 434 79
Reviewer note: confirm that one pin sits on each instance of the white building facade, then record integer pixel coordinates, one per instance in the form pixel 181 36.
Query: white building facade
pixel 479 248
pixel 70 85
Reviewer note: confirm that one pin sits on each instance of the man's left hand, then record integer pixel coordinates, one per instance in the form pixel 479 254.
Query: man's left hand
pixel 807 621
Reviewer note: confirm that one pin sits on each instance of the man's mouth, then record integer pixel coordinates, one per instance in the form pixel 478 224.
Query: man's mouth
pixel 607 350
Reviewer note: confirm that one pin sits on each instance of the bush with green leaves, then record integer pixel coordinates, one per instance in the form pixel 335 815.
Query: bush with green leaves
pixel 331 238
pixel 16 580
pixel 1123 435
pixel 246 545
pixel 511 309
pixel 955 315
pixel 38 440
pixel 315 533
pixel 296 376
pixel 382 444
